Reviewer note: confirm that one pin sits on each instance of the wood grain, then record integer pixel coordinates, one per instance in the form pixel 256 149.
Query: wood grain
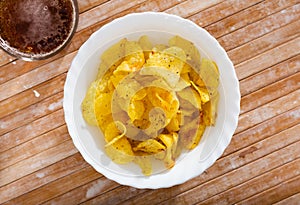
pixel 39 163
pixel 42 177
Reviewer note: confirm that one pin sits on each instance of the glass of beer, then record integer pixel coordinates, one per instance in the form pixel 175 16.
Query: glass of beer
pixel 36 29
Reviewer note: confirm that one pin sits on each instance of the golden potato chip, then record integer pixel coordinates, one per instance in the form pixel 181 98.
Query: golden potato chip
pixel 209 73
pixel 197 137
pixel 103 120
pixel 103 103
pixel 165 100
pixel 186 68
pixel 178 53
pixel 114 55
pixel 171 78
pixel 168 141
pixel 192 53
pixel 172 59
pixel 159 47
pixel 134 55
pixel 141 94
pixel 191 96
pixel 116 79
pixel 187 133
pixel 146 45
pixel 175 138
pixel 150 146
pixel 210 110
pixel 87 105
pixel 174 124
pixel 136 109
pixel 113 130
pixel 203 92
pixel 120 152
pixel 145 164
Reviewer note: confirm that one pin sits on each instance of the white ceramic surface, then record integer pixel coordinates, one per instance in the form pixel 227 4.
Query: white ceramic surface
pixel 159 27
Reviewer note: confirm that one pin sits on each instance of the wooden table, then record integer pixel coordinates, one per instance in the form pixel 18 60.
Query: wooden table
pixel 39 163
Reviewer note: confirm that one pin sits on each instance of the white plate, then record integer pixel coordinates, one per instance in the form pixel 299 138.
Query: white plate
pixel 159 27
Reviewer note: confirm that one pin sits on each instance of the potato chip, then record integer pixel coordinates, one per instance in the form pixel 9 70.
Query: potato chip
pixel 192 53
pixel 186 68
pixel 197 137
pixel 113 131
pixel 172 59
pixel 174 124
pixel 136 110
pixel 146 45
pixel 145 164
pixel 191 96
pixel 120 152
pixel 159 47
pixel 179 54
pixel 103 120
pixel 158 120
pixel 210 110
pixel 209 73
pixel 188 132
pixel 150 146
pixel 103 103
pixel 168 141
pixel 116 79
pixel 203 92
pixel 114 55
pixel 134 55
pixel 171 78
pixel 87 105
pixel 139 95
pixel 165 100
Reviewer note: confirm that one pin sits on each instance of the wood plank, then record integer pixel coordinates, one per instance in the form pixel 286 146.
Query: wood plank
pixel 264 130
pixel 85 192
pixel 83 6
pixel 32 130
pixel 5 58
pixel 191 7
pixel 42 177
pixel 292 200
pixel 248 16
pixel 35 77
pixel 277 193
pixel 220 11
pixel 266 59
pixel 237 162
pixel 264 43
pixel 274 178
pixel 275 90
pixel 57 187
pixel 32 95
pixel 260 28
pixel 268 111
pixel 36 162
pixel 31 113
pixel 117 196
pixel 105 11
pixel 33 147
pixel 270 75
pixel 229 180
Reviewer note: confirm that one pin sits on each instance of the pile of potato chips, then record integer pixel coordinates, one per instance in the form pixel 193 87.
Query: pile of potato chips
pixel 152 102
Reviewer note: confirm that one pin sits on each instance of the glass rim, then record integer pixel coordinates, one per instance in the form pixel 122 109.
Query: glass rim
pixel 34 57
